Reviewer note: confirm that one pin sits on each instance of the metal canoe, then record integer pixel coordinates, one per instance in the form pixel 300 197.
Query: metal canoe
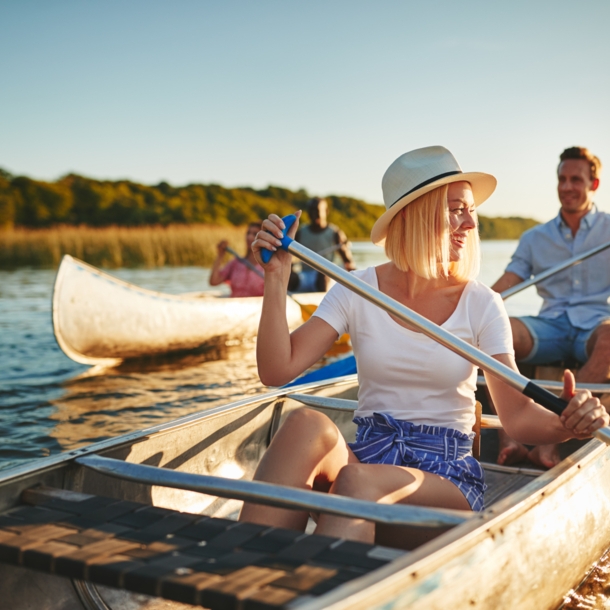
pixel 99 319
pixel 536 540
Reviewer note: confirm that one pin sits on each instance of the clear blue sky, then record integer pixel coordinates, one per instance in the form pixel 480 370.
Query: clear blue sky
pixel 315 95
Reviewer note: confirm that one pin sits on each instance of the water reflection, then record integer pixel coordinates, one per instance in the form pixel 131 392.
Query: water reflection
pixel 108 402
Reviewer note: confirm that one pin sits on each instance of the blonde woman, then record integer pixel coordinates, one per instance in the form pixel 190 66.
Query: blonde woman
pixel 416 398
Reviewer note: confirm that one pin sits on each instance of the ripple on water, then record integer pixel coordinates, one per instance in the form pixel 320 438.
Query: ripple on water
pixel 594 592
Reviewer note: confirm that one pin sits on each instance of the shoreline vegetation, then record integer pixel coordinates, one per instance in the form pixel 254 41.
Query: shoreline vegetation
pixel 121 223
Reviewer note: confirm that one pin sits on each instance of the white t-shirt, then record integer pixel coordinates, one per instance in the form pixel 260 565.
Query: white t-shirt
pixel 408 375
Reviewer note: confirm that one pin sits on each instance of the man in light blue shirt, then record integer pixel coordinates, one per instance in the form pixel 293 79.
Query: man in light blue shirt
pixel 574 322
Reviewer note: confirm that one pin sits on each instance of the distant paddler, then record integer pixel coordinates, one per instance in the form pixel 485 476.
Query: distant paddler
pixel 324 238
pixel 307 309
pixel 244 275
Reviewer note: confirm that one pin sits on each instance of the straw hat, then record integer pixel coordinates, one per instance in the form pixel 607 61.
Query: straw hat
pixel 418 172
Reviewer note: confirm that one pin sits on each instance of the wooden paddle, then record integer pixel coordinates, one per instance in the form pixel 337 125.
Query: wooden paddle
pixel 455 344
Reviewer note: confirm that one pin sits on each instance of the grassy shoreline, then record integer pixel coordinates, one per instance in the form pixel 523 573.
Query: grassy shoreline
pixel 155 245
pixel 114 247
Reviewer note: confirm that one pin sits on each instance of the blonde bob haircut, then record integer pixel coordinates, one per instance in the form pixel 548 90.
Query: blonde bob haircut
pixel 418 239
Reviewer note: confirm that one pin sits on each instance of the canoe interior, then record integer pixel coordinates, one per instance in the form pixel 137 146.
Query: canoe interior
pixel 529 514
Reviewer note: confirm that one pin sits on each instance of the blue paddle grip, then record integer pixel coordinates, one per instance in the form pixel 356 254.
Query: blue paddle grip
pixel 288 222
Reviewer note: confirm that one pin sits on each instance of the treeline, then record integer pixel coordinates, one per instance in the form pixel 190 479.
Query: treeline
pixel 504 228
pixel 77 200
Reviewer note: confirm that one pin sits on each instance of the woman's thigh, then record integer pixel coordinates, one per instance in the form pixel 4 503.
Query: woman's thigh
pixel 389 484
pixel 400 485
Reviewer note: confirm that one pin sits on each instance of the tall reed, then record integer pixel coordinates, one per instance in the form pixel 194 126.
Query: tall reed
pixel 112 247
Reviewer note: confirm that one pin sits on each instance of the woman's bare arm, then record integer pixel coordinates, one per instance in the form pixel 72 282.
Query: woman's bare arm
pixel 221 250
pixel 527 422
pixel 280 355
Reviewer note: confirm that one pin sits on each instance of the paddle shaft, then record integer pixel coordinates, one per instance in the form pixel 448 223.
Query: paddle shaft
pixel 255 269
pixel 428 328
pixel 509 292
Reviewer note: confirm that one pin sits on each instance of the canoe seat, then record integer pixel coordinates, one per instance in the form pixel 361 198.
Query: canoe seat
pixel 216 563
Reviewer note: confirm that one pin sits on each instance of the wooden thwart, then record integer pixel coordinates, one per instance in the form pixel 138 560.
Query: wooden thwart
pixel 184 557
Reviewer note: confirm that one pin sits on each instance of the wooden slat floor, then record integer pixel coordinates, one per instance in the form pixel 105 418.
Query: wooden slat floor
pixel 502 484
pixel 216 563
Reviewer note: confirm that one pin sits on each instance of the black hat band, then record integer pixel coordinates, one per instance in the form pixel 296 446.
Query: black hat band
pixel 425 183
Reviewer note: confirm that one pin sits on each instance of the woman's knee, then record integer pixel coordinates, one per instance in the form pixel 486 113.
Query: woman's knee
pixel 354 480
pixel 308 423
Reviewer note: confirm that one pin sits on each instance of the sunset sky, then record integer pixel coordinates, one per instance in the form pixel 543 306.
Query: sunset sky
pixel 315 95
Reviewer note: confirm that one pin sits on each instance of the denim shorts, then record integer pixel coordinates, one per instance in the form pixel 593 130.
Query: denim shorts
pixel 381 439
pixel 556 340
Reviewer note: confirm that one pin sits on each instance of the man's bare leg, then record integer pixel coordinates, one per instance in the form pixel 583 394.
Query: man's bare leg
pixel 510 451
pixel 595 370
pixel 597 367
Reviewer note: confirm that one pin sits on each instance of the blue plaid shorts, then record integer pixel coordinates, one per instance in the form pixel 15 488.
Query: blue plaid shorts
pixel 381 439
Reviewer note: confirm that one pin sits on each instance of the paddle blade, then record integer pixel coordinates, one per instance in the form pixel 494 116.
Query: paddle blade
pixel 288 222
pixel 307 310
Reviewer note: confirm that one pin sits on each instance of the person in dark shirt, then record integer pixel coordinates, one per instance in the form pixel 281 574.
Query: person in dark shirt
pixel 324 238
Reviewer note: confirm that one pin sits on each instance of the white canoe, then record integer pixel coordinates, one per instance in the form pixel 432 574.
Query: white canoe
pixel 99 319
pixel 76 527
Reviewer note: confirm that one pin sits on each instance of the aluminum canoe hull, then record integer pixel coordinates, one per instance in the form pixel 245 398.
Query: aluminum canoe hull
pixel 101 320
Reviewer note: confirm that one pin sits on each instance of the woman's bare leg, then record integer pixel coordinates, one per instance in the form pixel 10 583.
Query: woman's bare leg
pixel 388 485
pixel 307 452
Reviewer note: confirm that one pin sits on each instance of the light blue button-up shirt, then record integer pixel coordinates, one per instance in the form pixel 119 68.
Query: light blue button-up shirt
pixel 583 290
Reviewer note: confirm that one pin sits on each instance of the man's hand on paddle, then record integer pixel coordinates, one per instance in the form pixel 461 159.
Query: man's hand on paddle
pixel 584 413
pixel 221 248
